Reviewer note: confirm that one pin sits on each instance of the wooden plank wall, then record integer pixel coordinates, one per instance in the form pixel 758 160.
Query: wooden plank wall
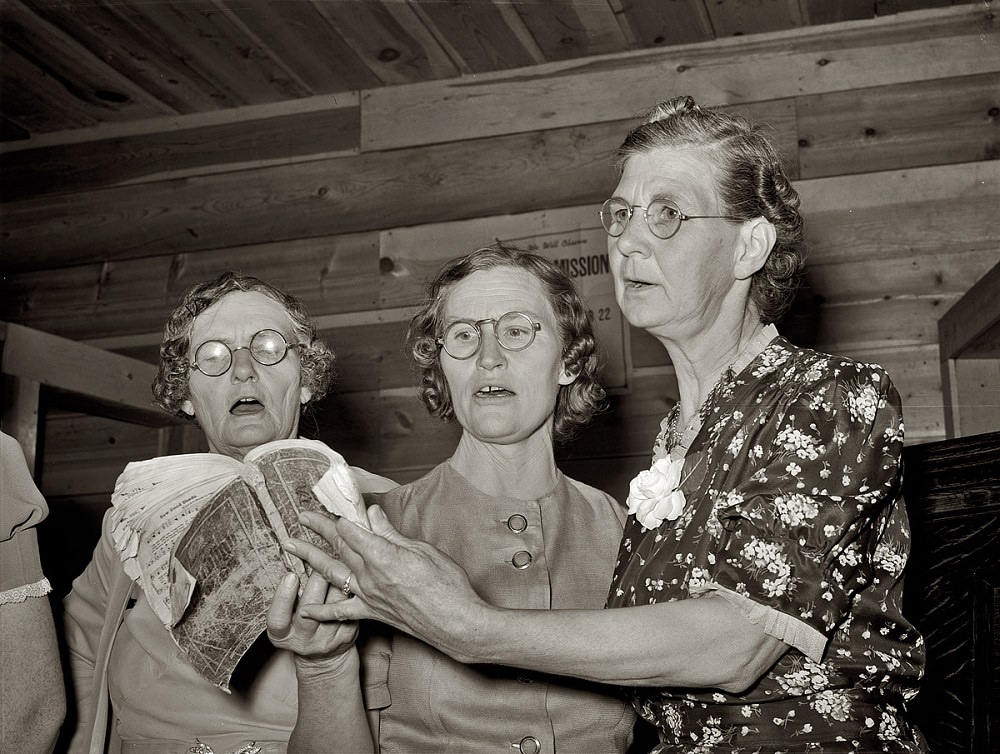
pixel 889 128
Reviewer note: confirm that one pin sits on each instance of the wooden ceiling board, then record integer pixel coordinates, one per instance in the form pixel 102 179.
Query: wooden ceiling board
pixel 886 128
pixel 140 57
pixel 482 36
pixel 825 12
pixel 391 40
pixel 67 289
pixel 329 274
pixel 35 101
pixel 740 17
pixel 207 39
pixel 663 23
pixel 117 301
pixel 566 29
pixel 90 84
pixel 731 71
pixel 962 21
pixel 948 210
pixel 897 276
pixel 112 34
pixel 904 6
pixel 302 38
pixel 314 198
pixel 182 151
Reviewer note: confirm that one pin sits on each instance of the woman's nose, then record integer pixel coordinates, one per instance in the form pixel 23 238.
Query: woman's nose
pixel 244 367
pixel 491 353
pixel 635 239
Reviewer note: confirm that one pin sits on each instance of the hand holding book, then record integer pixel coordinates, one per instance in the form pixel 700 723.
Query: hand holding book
pixel 217 560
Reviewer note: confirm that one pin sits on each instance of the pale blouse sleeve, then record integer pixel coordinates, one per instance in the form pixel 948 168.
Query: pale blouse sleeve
pixel 84 616
pixel 22 508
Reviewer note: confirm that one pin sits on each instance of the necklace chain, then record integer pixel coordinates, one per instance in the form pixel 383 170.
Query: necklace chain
pixel 674 436
pixel 674 433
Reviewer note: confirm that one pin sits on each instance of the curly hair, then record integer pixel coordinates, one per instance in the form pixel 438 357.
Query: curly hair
pixel 753 184
pixel 577 402
pixel 170 386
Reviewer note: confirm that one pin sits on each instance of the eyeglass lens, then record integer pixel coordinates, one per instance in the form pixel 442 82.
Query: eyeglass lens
pixel 213 357
pixel 663 218
pixel 514 331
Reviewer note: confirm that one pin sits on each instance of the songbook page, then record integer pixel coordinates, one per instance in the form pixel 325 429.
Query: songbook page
pixel 232 562
pixel 154 502
pixel 228 564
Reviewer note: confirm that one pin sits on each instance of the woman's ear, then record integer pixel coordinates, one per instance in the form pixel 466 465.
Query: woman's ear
pixel 305 395
pixel 187 407
pixel 757 239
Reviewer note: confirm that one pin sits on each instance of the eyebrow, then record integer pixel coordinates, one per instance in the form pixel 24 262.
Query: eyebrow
pixel 288 335
pixel 672 198
pixel 665 196
pixel 530 312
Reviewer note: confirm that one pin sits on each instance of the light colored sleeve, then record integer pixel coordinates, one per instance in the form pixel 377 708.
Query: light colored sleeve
pixel 369 482
pixel 22 508
pixel 32 691
pixel 84 617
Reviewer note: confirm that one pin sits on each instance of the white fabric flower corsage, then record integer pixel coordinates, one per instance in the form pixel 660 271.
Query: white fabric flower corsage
pixel 654 495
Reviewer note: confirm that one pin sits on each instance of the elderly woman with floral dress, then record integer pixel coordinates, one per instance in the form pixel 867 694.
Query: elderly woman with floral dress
pixel 755 606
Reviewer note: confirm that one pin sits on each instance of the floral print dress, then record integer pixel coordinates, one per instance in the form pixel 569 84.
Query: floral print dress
pixel 792 511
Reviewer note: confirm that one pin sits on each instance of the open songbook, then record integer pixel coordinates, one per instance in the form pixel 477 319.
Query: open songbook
pixel 201 533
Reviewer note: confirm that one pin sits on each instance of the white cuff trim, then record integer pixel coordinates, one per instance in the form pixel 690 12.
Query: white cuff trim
pixel 783 626
pixel 21 593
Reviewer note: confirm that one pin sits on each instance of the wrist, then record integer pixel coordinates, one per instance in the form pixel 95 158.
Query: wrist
pixel 344 663
pixel 476 636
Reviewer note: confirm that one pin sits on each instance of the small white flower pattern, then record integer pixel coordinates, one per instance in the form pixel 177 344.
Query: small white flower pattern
pixel 791 499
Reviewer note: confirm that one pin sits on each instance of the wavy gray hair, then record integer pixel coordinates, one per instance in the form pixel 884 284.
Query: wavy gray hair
pixel 753 184
pixel 170 386
pixel 577 402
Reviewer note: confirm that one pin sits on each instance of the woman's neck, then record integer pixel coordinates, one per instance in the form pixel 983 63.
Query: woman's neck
pixel 701 361
pixel 525 470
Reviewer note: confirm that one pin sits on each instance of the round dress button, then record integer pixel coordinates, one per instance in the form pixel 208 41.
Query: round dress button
pixel 528 745
pixel 517 523
pixel 521 559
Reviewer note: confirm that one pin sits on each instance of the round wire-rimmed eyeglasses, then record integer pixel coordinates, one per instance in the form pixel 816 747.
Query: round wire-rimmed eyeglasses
pixel 213 358
pixel 663 218
pixel 514 331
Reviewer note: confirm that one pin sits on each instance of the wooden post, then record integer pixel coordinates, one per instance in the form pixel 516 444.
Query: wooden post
pixel 106 384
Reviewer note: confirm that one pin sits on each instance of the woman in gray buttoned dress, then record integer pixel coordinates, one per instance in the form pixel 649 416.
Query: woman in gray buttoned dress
pixel 506 348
